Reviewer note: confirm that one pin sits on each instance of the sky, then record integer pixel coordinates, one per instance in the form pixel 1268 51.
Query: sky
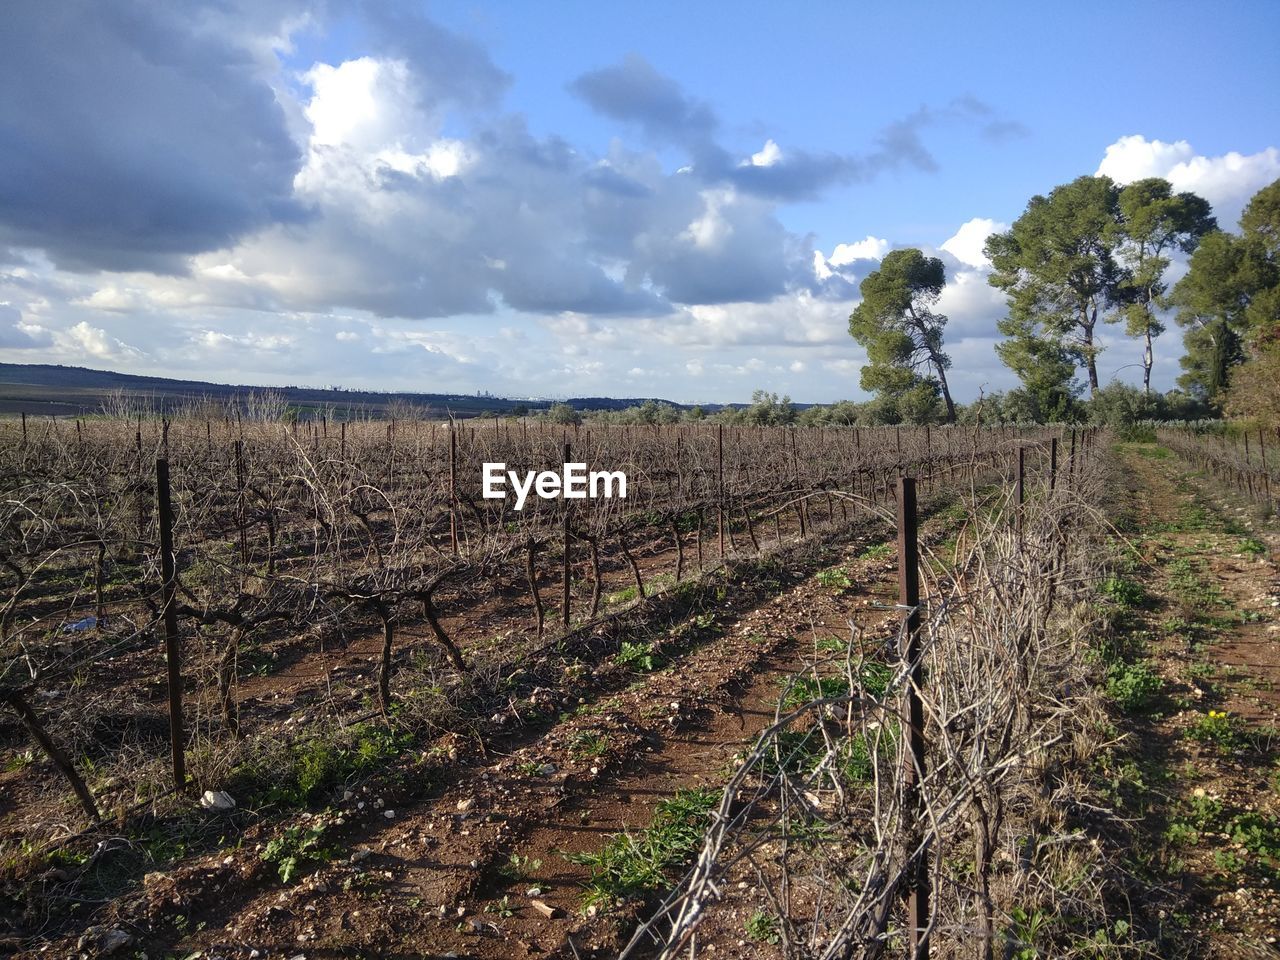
pixel 577 199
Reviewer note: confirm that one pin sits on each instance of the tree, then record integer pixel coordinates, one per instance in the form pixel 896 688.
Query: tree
pixel 1260 226
pixel 562 414
pixel 1046 369
pixel 1213 300
pixel 1154 222
pixel 1057 267
pixel 1253 392
pixel 902 334
pixel 767 410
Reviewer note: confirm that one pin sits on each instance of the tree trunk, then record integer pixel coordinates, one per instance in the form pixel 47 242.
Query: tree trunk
pixel 1091 361
pixel 53 752
pixel 1148 359
pixel 384 668
pixel 227 681
pixel 946 391
pixel 433 620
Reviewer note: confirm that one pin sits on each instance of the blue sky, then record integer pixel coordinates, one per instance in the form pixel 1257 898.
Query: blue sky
pixel 560 199
pixel 829 76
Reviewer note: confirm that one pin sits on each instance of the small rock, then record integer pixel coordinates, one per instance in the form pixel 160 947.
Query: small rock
pixel 218 801
pixel 106 941
pixel 389 814
pixel 546 909
pixel 466 804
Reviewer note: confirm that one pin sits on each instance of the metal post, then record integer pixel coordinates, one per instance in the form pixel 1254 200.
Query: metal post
pixel 720 484
pixel 172 648
pixel 1266 477
pixel 1053 463
pixel 238 445
pixel 453 488
pixel 914 757
pixel 565 571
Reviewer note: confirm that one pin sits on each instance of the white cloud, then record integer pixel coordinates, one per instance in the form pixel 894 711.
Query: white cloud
pixel 711 230
pixel 871 248
pixel 85 340
pixel 17 334
pixel 1226 181
pixel 847 254
pixel 966 243
pixel 768 155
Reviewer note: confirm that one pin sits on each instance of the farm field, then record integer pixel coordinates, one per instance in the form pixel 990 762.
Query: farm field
pixel 418 722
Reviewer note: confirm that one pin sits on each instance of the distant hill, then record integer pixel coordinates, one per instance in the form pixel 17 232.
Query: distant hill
pixel 54 390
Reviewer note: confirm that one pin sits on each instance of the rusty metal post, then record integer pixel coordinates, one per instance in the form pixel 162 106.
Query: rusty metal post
pixel 565 571
pixel 1020 486
pixel 1266 477
pixel 453 488
pixel 720 485
pixel 913 719
pixel 172 647
pixel 238 446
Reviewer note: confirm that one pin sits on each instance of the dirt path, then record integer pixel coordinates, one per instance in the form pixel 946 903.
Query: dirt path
pixel 1199 771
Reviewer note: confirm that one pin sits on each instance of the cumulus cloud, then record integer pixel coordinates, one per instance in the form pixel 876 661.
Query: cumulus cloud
pixel 139 136
pixel 966 243
pixel 1226 181
pixel 15 334
pixel 94 343
pixel 255 211
pixel 838 275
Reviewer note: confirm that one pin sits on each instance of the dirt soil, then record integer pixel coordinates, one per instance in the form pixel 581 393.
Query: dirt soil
pixel 1200 773
pixel 426 868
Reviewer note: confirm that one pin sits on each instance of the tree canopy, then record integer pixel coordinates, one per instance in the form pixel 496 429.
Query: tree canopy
pixel 1154 223
pixel 902 333
pixel 1058 269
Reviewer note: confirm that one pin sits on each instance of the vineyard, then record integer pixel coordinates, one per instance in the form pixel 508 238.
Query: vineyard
pixel 300 688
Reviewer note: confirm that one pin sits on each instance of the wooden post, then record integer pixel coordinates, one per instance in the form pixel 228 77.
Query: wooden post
pixel 172 648
pixel 913 719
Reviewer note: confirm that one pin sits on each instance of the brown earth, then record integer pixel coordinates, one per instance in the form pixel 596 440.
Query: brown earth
pixel 1212 631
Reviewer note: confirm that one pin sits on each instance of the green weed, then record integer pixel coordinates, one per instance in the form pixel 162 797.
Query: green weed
pixel 762 927
pixel 631 864
pixel 294 849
